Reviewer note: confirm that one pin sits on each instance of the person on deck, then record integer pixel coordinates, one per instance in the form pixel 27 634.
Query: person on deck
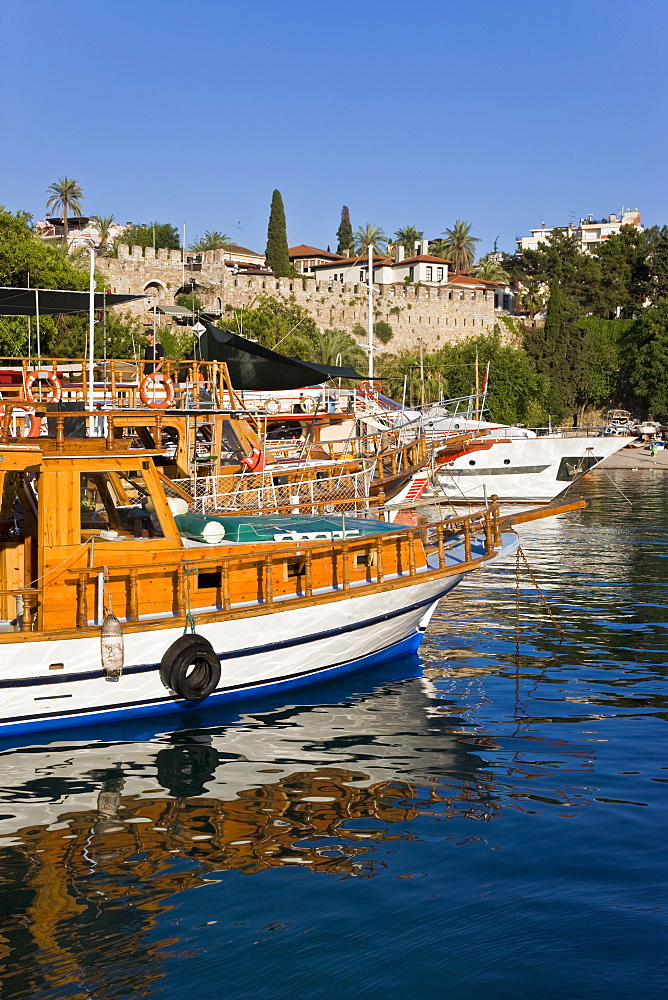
pixel 153 353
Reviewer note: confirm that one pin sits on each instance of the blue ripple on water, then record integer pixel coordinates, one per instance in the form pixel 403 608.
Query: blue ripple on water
pixel 480 822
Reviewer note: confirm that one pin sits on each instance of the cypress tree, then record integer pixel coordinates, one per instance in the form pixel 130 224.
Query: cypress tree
pixel 559 351
pixel 344 233
pixel 277 239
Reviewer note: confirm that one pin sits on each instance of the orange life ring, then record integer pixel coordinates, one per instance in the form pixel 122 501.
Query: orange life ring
pixel 35 428
pixel 371 386
pixel 255 462
pixel 35 424
pixel 154 378
pixel 46 375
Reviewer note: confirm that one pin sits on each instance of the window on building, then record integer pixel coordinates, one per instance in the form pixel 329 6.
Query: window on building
pixel 472 296
pixel 439 274
pixel 430 274
pixel 506 301
pixel 496 300
pixel 362 274
pixel 461 296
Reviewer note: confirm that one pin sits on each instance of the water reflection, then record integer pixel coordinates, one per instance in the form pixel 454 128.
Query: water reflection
pixel 101 836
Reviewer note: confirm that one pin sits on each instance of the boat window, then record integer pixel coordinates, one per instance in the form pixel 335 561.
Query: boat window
pixel 19 504
pixel 295 568
pixel 118 502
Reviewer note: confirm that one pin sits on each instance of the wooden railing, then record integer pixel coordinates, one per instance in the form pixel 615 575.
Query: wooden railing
pixel 287 575
pixel 26 614
pixel 116 382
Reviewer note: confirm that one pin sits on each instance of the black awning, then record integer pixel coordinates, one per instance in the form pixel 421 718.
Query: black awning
pixel 54 301
pixel 254 367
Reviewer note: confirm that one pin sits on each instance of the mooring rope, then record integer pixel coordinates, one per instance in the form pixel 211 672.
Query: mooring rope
pixel 616 486
pixel 557 627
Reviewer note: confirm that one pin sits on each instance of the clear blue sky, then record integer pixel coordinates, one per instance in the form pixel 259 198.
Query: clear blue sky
pixel 418 113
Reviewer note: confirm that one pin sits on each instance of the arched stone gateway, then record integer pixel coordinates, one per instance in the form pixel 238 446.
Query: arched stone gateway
pixel 156 290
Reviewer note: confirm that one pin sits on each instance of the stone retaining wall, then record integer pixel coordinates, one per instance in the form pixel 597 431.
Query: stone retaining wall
pixel 432 315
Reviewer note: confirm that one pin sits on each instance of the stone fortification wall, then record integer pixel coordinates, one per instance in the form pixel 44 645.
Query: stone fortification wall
pixel 435 316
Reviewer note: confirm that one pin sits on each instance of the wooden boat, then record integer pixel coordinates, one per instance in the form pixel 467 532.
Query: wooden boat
pixel 112 604
pixel 213 447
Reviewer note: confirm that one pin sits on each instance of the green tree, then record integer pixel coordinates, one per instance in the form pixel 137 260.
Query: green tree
pixel 625 274
pixel 210 241
pixel 64 196
pixel 459 245
pixel 530 298
pixel 657 262
pixel 274 323
pixel 404 369
pixel 158 234
pixel 490 270
pixel 344 233
pixel 559 259
pixel 177 342
pixel 116 336
pixel 559 352
pixel 407 238
pixel 328 347
pixel 438 248
pixel 26 260
pixel 603 345
pixel 382 331
pixel 367 235
pixel 645 355
pixel 103 224
pixel 277 239
pixel 516 391
pixel 189 301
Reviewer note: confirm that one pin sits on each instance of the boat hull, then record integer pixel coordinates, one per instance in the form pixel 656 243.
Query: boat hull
pixel 59 683
pixel 525 468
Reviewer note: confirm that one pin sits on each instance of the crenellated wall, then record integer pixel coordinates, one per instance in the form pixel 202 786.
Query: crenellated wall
pixel 433 315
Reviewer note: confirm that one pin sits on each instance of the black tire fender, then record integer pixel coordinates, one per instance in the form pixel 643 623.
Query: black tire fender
pixel 190 668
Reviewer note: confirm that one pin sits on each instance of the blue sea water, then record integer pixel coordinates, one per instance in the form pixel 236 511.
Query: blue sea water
pixel 476 822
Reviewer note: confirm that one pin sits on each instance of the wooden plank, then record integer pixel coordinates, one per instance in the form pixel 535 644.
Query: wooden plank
pixel 538 513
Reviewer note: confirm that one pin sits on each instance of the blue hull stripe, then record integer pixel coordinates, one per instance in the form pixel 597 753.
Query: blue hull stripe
pixel 86 675
pixel 170 706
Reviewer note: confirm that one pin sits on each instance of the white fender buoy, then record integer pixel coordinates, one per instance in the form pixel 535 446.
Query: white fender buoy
pixel 111 651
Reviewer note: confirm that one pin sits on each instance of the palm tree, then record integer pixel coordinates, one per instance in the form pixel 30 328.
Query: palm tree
pixel 210 241
pixel 329 347
pixel 64 196
pixel 530 299
pixel 367 235
pixel 491 270
pixel 438 248
pixel 459 245
pixel 103 224
pixel 407 238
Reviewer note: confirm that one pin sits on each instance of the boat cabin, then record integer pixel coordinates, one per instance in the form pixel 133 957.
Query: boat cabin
pixel 81 533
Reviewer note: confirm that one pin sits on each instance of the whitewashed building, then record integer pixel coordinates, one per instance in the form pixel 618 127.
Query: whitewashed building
pixel 590 232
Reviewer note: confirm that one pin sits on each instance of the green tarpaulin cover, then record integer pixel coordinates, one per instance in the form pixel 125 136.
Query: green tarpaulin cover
pixel 254 367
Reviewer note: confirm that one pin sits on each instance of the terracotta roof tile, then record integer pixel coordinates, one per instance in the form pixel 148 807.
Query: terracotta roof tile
pixel 465 279
pixel 306 251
